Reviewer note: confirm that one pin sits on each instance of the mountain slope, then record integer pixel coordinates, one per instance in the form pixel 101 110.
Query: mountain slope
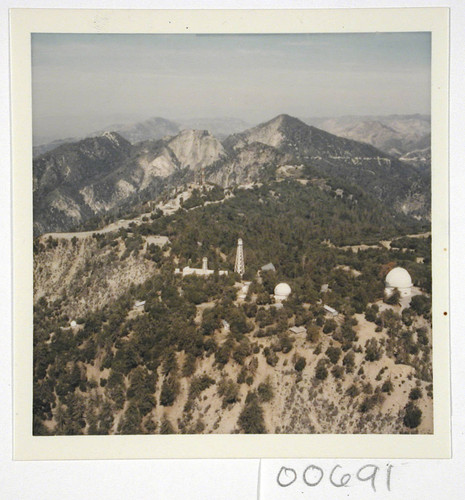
pixel 292 136
pixel 394 134
pixel 152 129
pixel 94 176
pixel 105 365
pixel 196 148
pixel 397 184
pixel 79 181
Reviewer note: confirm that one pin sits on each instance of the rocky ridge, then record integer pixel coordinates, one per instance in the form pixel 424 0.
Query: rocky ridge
pixel 95 176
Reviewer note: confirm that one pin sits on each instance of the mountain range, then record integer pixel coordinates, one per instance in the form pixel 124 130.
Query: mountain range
pixel 156 128
pixel 81 180
pixel 394 134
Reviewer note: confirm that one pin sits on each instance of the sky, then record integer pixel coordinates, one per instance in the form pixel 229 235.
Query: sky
pixel 83 82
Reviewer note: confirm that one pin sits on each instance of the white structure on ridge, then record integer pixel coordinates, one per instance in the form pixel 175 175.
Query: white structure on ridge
pixel 282 292
pixel 398 278
pixel 239 266
pixel 330 310
pixel 204 271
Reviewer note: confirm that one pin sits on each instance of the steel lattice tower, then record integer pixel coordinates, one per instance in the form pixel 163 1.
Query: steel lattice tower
pixel 239 266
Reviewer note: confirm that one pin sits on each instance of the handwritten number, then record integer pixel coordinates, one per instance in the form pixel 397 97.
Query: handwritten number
pixel 389 477
pixel 372 476
pixel 286 477
pixel 312 468
pixel 344 479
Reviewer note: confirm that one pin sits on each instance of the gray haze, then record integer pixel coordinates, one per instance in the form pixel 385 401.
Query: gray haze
pixel 83 83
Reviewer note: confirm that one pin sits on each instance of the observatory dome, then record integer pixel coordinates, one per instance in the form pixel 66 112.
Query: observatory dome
pixel 282 291
pixel 398 278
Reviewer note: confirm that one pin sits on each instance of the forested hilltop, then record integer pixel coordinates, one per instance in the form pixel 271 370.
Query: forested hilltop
pixel 123 344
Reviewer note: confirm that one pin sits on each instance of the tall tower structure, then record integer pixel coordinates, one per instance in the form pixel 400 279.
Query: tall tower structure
pixel 239 266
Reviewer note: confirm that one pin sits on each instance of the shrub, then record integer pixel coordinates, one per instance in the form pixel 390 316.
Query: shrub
pixel 169 390
pixel 270 356
pixel 313 334
pixel 265 391
pixel 333 353
pixel 229 391
pixel 353 391
pixel 166 427
pixel 412 417
pixel 371 313
pixel 415 394
pixel 420 304
pixel 300 364
pixel 251 419
pixel 349 361
pixel 188 367
pixel 373 351
pixel 330 326
pixel 387 386
pixel 199 384
pixel 337 371
pixel 394 298
pixel 321 372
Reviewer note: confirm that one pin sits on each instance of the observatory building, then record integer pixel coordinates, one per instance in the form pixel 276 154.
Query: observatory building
pixel 282 292
pixel 398 278
pixel 204 271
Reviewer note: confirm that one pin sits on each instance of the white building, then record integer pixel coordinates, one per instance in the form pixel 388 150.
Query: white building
pixel 330 310
pixel 282 292
pixel 398 278
pixel 204 271
pixel 298 330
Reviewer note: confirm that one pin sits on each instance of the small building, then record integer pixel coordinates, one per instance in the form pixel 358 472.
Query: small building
pixel 324 288
pixel 329 310
pixel 268 267
pixel 298 330
pixel 139 304
pixel 73 324
pixel 226 325
pixel 204 271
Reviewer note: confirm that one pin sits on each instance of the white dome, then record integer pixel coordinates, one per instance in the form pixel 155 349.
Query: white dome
pixel 282 290
pixel 398 278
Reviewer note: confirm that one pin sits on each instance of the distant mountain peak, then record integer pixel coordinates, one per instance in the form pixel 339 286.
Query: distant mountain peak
pixel 284 120
pixel 114 137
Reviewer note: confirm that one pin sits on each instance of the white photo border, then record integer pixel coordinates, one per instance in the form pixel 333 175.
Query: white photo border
pixel 24 22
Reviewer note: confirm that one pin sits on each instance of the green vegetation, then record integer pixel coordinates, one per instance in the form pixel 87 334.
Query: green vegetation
pixel 412 417
pixel 251 419
pixel 149 360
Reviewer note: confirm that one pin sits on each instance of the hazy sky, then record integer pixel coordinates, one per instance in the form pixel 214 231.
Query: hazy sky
pixel 85 82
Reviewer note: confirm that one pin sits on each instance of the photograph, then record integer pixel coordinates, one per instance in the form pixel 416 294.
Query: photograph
pixel 232 233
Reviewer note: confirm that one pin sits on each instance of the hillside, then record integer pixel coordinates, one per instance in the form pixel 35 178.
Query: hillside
pixel 103 175
pixel 395 134
pixel 197 358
